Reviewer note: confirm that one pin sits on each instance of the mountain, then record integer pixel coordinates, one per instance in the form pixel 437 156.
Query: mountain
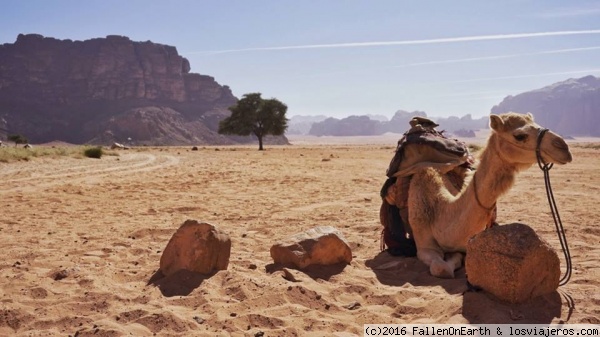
pixel 461 126
pixel 380 118
pixel 300 125
pixel 109 89
pixel 349 126
pixel 399 123
pixel 571 107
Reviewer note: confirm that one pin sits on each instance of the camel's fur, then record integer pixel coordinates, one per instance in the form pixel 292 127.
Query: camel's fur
pixel 443 218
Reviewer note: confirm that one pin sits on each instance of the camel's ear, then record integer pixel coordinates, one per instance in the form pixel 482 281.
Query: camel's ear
pixel 496 122
pixel 530 115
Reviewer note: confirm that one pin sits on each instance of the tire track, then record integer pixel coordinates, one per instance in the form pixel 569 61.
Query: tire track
pixel 51 175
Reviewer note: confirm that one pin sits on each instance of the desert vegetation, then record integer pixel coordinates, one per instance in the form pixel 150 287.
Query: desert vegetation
pixel 10 154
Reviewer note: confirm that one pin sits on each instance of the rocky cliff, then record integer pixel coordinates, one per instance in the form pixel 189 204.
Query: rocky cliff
pixel 108 89
pixel 571 107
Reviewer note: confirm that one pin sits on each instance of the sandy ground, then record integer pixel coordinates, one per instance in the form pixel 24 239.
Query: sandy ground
pixel 82 239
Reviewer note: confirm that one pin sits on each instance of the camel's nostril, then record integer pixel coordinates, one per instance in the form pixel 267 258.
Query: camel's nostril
pixel 560 143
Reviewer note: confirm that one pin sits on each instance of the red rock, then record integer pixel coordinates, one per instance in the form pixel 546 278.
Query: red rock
pixel 512 263
pixel 196 246
pixel 317 246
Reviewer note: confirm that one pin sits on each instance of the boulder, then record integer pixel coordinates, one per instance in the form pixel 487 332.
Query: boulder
pixel 196 246
pixel 512 263
pixel 317 246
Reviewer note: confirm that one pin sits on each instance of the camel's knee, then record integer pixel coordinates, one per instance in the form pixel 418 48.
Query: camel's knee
pixel 455 259
pixel 441 269
pixel 437 266
pixel 427 255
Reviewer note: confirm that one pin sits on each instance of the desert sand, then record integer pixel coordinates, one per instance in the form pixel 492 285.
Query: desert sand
pixel 82 240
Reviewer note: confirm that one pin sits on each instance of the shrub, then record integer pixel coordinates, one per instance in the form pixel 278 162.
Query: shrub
pixel 18 139
pixel 93 152
pixel 474 148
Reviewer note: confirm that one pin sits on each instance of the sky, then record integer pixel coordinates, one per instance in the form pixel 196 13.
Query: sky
pixel 342 58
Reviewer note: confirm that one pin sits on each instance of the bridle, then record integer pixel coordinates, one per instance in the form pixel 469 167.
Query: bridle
pixel 545 167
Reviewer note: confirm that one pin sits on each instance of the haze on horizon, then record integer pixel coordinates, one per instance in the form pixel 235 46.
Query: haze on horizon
pixel 342 58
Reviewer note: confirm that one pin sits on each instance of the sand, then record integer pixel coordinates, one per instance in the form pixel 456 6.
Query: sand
pixel 82 240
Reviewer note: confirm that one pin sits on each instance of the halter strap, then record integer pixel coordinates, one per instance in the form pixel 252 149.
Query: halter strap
pixel 489 209
pixel 545 167
pixel 541 163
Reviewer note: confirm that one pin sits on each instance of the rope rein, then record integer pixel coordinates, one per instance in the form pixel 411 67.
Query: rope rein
pixel 545 167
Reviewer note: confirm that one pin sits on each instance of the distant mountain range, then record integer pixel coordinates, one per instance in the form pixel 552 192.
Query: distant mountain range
pixel 368 126
pixel 571 108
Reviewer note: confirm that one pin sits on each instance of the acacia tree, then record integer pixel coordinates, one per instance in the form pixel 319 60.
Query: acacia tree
pixel 257 116
pixel 18 139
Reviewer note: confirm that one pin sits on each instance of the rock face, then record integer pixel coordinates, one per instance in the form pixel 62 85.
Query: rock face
pixel 105 90
pixel 571 107
pixel 317 246
pixel 349 126
pixel 512 263
pixel 300 125
pixel 376 125
pixel 196 246
pixel 464 133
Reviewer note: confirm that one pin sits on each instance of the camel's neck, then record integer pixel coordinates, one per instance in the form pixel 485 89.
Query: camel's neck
pixel 494 176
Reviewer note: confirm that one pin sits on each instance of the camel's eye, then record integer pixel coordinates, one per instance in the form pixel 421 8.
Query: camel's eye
pixel 521 137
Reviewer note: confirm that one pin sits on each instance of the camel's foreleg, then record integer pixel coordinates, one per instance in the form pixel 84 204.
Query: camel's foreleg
pixel 439 267
pixel 455 259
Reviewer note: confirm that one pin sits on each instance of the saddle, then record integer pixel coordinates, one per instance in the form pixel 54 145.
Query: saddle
pixel 421 146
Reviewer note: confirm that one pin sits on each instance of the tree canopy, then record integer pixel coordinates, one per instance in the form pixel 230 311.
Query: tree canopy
pixel 18 139
pixel 255 115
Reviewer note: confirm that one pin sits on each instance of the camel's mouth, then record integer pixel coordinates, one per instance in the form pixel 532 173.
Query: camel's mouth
pixel 561 159
pixel 557 151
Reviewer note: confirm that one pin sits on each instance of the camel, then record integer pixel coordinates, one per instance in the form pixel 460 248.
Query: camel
pixel 444 217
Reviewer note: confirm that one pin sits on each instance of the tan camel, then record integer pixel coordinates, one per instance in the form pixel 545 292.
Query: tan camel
pixel 443 218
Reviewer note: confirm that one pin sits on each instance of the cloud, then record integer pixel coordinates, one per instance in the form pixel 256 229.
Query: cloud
pixel 587 71
pixel 406 42
pixel 464 60
pixel 497 57
pixel 564 12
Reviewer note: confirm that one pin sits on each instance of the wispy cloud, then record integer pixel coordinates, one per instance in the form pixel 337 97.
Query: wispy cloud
pixel 406 42
pixel 463 60
pixel 586 71
pixel 564 12
pixel 497 57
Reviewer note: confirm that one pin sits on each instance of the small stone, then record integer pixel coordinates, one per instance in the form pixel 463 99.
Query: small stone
pixel 318 246
pixel 287 274
pixel 353 306
pixel 61 274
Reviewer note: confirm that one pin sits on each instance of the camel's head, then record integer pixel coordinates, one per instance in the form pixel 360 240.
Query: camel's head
pixel 517 136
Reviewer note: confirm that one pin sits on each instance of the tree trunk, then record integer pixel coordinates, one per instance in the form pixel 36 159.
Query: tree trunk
pixel 260 142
